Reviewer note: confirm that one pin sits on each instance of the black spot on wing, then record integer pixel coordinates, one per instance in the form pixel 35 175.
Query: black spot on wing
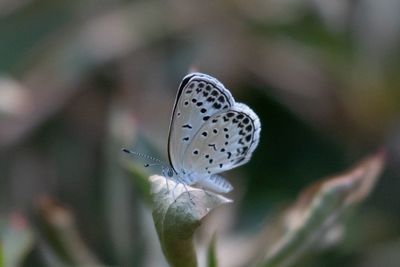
pixel 248 138
pixel 214 93
pixel 188 126
pixel 217 105
pixel 213 146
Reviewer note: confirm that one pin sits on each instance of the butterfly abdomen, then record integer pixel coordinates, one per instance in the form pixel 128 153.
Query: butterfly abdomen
pixel 216 184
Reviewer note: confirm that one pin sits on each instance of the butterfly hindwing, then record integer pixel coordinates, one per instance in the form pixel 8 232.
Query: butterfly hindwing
pixel 225 141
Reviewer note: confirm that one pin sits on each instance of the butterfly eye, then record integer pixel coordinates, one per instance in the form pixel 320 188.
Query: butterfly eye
pixel 170 173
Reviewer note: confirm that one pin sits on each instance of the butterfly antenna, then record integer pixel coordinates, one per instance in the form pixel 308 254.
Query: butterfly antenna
pixel 152 164
pixel 147 157
pixel 166 170
pixel 144 156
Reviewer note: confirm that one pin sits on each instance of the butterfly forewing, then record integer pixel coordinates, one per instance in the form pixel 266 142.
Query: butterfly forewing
pixel 199 97
pixel 223 142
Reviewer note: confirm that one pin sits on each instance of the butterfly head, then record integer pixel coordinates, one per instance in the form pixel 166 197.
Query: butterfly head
pixel 168 172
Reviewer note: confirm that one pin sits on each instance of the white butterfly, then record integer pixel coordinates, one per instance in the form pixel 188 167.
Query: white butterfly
pixel 209 133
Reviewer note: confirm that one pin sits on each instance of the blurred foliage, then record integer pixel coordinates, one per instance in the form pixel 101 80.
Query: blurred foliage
pixel 212 260
pixel 17 240
pixel 79 80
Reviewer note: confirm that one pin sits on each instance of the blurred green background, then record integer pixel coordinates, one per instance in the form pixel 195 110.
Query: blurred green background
pixel 79 80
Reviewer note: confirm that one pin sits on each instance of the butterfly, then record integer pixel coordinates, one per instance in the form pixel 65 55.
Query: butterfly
pixel 209 133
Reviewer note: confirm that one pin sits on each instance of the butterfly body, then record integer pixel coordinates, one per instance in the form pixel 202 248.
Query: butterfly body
pixel 209 133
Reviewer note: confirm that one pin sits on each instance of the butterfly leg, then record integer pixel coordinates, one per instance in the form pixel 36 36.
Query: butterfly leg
pixel 173 191
pixel 166 183
pixel 187 191
pixel 179 181
pixel 165 174
pixel 206 192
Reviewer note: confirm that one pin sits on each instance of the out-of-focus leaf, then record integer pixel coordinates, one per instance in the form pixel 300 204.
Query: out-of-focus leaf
pixel 17 241
pixel 320 208
pixel 139 178
pixel 62 235
pixel 1 255
pixel 212 254
pixel 177 213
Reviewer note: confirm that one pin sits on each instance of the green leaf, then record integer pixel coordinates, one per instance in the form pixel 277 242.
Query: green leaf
pixel 212 255
pixel 139 178
pixel 319 210
pixel 177 212
pixel 1 254
pixel 17 241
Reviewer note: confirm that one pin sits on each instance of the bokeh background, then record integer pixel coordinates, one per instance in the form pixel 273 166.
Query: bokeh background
pixel 79 80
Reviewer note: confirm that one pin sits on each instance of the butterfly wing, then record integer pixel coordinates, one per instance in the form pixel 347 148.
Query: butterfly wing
pixel 225 141
pixel 199 97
